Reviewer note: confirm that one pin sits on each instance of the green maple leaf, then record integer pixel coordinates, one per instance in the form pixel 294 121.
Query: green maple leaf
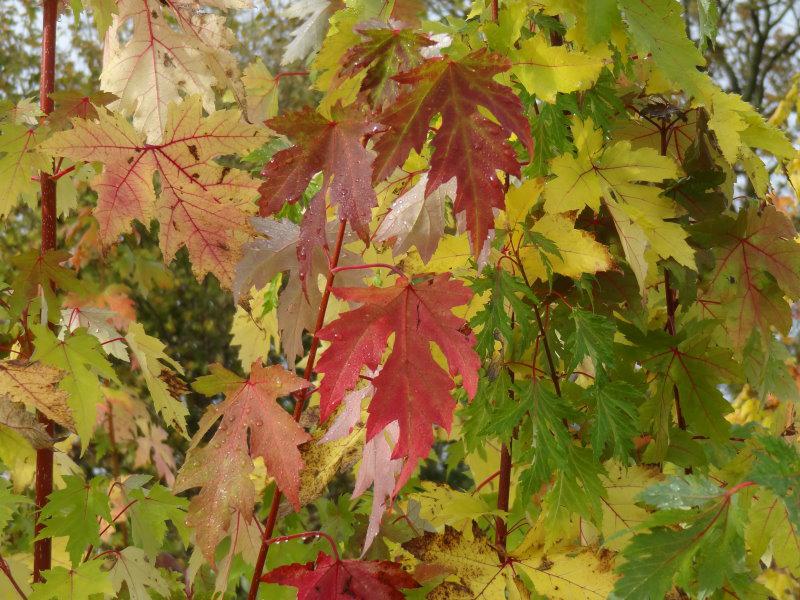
pixel 150 513
pixel 698 549
pixel 152 359
pixel 73 513
pixel 657 27
pixel 83 360
pixel 9 502
pixel 616 418
pixel 132 568
pixel 494 412
pixel 682 492
pixel 506 290
pixel 577 487
pixel 34 271
pixel 777 468
pixel 593 337
pixel 80 583
pixel 694 364
pixel 767 369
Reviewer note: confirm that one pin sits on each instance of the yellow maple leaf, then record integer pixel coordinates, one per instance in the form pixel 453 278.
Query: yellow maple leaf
pixel 546 70
pixel 254 328
pixel 474 571
pixel 578 252
pixel 621 177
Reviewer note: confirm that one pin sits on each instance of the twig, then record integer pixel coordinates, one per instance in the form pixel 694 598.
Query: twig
pixel 269 524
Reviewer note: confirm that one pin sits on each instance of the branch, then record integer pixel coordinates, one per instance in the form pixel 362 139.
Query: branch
pixel 43 548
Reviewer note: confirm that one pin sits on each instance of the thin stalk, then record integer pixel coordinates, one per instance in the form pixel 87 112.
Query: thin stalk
pixel 269 523
pixel 42 549
pixel 7 571
pixel 115 464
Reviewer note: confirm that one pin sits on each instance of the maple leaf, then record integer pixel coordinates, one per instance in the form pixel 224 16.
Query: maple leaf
pixel 153 442
pixel 20 160
pixel 37 273
pixel 255 325
pixel 658 28
pixel 415 220
pixel 619 176
pixel 386 50
pixel 545 70
pixel 96 322
pixel 324 459
pixel 174 50
pixel 82 582
pixel 74 512
pixel 308 35
pixel 132 568
pixel 696 365
pixel 149 515
pixel 467 145
pixel 476 572
pixel 757 264
pixel 261 89
pixel 149 353
pixel 329 578
pixel 15 418
pixel 76 104
pixel 275 253
pixel 222 467
pixel 411 388
pixel 574 250
pixel 36 385
pixel 201 205
pixel 82 361
pixel 379 470
pixel 622 510
pixel 336 148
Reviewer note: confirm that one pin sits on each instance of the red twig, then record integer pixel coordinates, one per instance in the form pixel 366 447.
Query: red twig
pixel 7 571
pixel 42 548
pixel 109 526
pixel 303 536
pixel 392 268
pixel 280 76
pixel 485 482
pixel 269 524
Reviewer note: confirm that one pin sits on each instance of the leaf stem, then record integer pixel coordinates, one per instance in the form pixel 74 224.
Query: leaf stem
pixel 269 523
pixel 108 526
pixel 305 535
pixel 42 548
pixel 392 268
pixel 115 463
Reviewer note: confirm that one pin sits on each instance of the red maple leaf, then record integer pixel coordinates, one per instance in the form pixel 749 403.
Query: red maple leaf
pixel 334 147
pixel 330 578
pixel 412 388
pixel 252 424
pixel 467 145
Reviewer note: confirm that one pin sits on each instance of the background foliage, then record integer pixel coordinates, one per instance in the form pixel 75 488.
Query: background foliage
pixel 625 424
